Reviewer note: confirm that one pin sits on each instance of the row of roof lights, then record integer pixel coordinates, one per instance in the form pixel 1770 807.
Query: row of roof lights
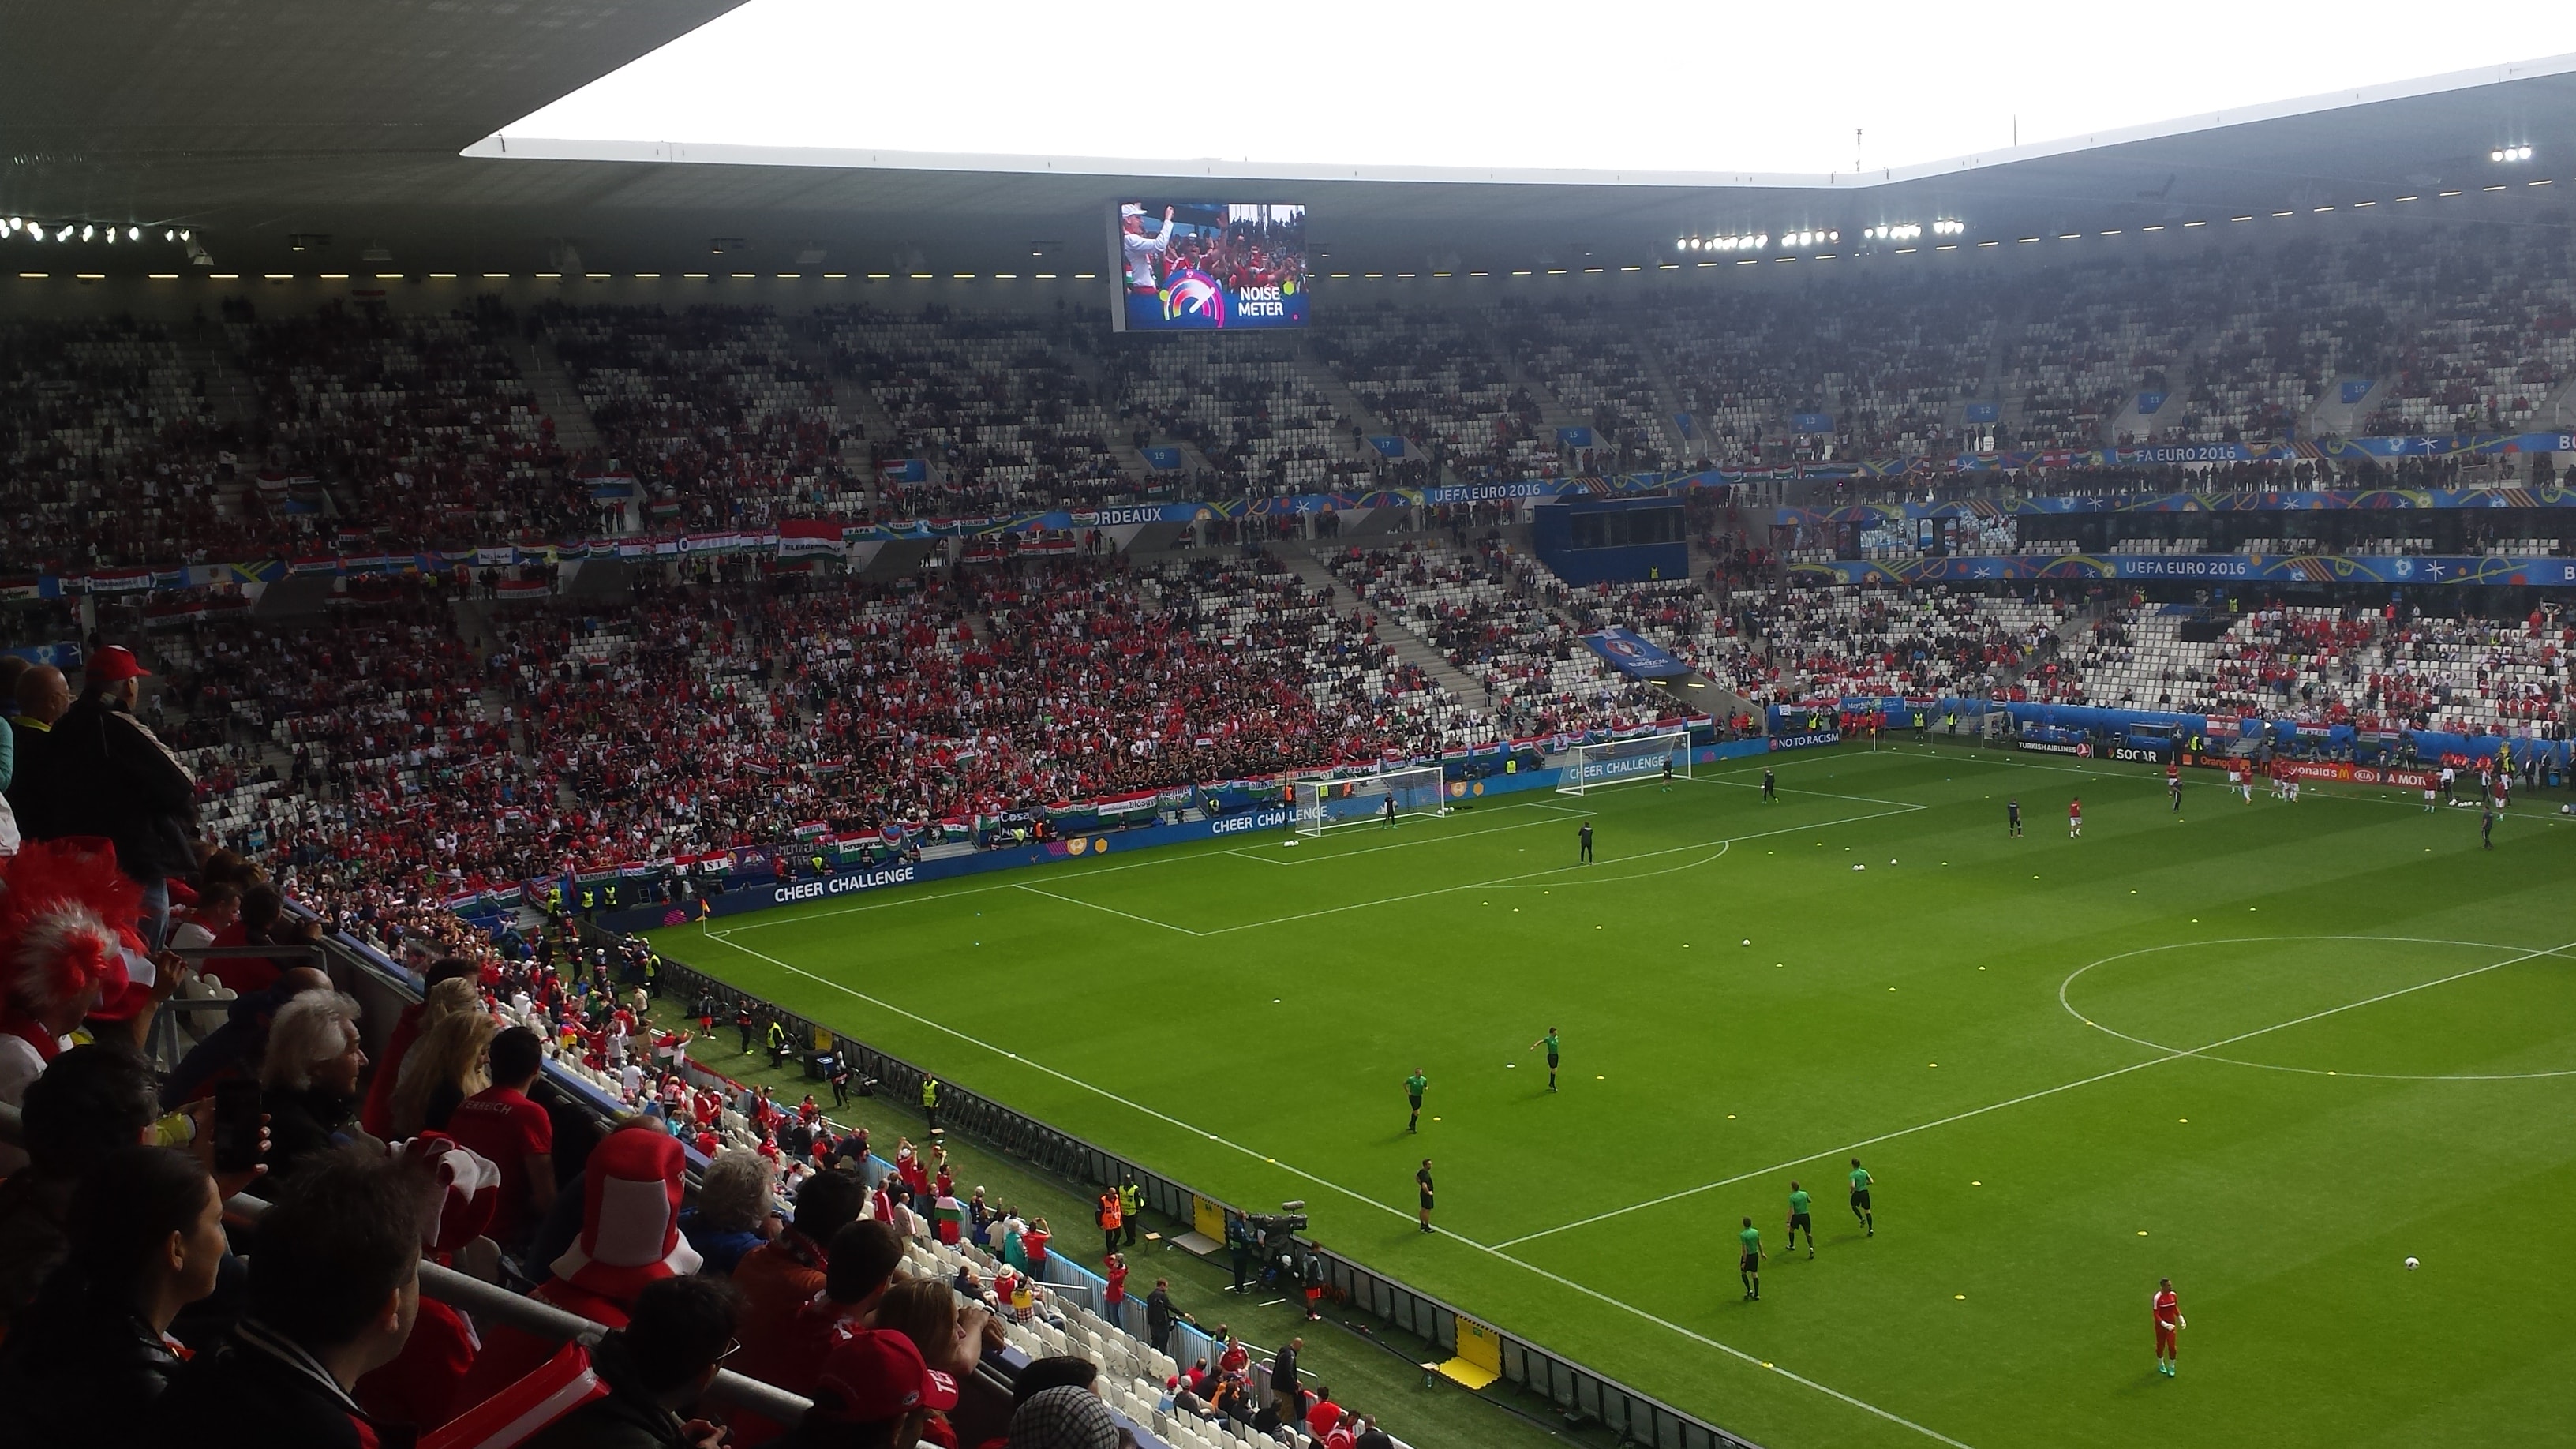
pixel 2510 153
pixel 70 231
pixel 1898 232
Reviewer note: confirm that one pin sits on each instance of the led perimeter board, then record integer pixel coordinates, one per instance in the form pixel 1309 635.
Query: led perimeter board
pixel 1208 266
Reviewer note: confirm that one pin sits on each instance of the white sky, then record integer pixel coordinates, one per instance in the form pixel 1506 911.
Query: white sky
pixel 1664 85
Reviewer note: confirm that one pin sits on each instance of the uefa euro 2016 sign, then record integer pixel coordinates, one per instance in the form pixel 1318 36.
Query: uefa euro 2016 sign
pixel 1209 266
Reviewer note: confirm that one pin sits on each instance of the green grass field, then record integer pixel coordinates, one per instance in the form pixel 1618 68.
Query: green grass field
pixel 2268 1050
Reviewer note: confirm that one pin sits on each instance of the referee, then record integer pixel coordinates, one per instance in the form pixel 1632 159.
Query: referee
pixel 1548 1041
pixel 1422 1180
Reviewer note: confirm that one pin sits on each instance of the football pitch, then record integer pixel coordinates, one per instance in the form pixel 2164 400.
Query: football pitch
pixel 2269 1051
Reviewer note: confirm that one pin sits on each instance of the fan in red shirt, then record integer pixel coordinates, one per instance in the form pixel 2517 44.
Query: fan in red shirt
pixel 2169 1325
pixel 501 1125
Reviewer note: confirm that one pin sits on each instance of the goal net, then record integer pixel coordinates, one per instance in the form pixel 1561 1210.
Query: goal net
pixel 1320 805
pixel 1616 762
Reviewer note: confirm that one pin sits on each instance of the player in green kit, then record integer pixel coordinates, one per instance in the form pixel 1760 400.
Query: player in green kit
pixel 1750 1265
pixel 1860 1181
pixel 1798 1218
pixel 1414 1086
pixel 1548 1041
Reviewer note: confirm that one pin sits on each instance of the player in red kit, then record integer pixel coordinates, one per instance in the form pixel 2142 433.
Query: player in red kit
pixel 2074 817
pixel 2169 1323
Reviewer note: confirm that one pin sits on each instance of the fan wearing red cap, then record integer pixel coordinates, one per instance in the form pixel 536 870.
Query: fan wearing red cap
pixel 133 789
pixel 875 1390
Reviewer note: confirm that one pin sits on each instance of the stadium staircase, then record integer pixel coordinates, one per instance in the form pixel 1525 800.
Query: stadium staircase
pixel 2331 416
pixel 1668 402
pixel 1347 406
pixel 2179 377
pixel 229 389
pixel 1994 385
pixel 1552 413
pixel 1395 634
pixel 557 397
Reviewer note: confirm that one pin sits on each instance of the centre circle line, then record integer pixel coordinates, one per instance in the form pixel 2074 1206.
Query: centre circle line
pixel 2204 1053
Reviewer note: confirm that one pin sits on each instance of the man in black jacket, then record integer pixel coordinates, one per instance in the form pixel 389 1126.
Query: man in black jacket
pixel 334 1287
pixel 35 787
pixel 119 781
pixel 1284 1386
pixel 655 1368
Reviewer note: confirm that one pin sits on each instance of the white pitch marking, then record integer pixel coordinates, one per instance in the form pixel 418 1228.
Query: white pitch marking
pixel 1364 1200
pixel 2170 1054
pixel 1113 910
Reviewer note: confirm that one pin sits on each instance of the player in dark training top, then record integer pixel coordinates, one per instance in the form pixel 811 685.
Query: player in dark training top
pixel 2012 816
pixel 1388 813
pixel 1548 1041
pixel 1584 838
pixel 1770 788
pixel 1749 1263
pixel 1413 1088
pixel 1422 1180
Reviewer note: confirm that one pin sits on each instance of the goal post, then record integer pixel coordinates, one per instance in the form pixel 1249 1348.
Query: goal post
pixel 1618 762
pixel 1316 806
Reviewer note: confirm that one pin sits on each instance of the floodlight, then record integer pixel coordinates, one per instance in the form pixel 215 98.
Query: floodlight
pixel 134 233
pixel 86 230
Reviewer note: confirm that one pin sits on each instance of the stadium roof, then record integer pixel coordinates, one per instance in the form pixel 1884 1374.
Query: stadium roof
pixel 255 124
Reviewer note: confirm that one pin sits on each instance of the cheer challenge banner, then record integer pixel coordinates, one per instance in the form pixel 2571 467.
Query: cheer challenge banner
pixel 2214 567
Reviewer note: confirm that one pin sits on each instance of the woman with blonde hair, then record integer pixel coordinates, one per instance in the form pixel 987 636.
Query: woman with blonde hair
pixel 444 1064
pixel 951 1335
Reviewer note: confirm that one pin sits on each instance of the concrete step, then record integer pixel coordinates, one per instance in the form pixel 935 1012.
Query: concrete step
pixel 229 389
pixel 557 397
pixel 1396 634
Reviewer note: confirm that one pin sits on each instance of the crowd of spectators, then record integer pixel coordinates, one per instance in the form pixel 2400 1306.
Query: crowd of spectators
pixel 235 1248
pixel 715 412
pixel 2377 669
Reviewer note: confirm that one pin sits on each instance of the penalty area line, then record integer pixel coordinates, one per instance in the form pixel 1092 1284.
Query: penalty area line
pixel 1558 871
pixel 1496 1253
pixel 1112 910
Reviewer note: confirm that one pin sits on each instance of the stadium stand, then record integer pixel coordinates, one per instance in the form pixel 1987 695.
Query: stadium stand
pixel 1005 420
pixel 712 410
pixel 409 739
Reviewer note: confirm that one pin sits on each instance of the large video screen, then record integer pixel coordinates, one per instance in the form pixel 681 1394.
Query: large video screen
pixel 1208 266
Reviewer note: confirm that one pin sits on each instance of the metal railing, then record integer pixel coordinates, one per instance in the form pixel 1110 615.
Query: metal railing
pixel 1638 1417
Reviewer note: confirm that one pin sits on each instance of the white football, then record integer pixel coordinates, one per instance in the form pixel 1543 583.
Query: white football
pixel 2411 1265
pixel 1748 940
pixel 1860 867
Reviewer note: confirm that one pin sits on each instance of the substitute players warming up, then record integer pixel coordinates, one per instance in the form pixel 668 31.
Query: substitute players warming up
pixel 2169 1326
pixel 1800 1218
